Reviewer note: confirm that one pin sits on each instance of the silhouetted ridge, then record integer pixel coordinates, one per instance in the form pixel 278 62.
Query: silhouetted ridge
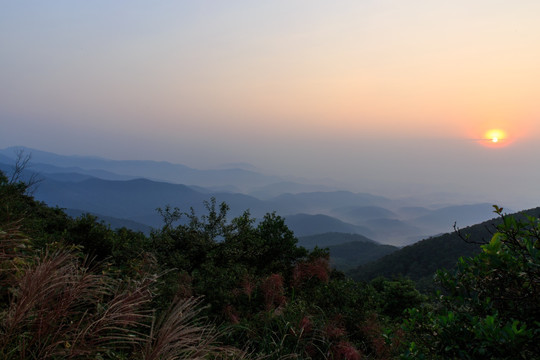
pixel 421 260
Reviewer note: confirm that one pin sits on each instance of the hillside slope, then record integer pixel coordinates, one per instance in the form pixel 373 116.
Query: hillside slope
pixel 421 260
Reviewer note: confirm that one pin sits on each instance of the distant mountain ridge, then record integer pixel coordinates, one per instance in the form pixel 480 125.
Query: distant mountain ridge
pixel 349 255
pixel 331 239
pixel 156 170
pixel 347 251
pixel 114 223
pixel 306 224
pixel 419 261
pixel 135 200
pixel 129 190
pixel 287 187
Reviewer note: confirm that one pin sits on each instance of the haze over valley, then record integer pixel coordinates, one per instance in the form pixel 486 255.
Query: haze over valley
pixel 127 193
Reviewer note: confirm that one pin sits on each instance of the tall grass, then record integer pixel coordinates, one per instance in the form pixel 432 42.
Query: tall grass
pixel 59 307
pixel 12 244
pixel 177 334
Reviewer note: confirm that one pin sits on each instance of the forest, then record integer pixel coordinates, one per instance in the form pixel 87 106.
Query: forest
pixel 203 286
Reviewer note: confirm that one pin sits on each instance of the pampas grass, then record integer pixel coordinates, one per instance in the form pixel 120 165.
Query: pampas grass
pixel 58 306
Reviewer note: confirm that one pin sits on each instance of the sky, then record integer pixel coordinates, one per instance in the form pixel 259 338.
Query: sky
pixel 388 96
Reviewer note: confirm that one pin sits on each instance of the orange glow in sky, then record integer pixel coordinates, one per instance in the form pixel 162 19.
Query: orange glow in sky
pixel 495 138
pixel 420 91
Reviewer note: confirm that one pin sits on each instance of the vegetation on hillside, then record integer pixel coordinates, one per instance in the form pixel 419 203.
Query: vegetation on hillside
pixel 204 286
pixel 421 260
pixel 347 251
pixel 491 305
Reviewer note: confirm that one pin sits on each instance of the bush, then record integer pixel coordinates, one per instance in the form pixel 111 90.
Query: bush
pixel 491 307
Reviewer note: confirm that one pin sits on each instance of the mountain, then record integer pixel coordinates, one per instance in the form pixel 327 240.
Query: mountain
pixel 58 172
pixel 132 190
pixel 321 202
pixel 408 212
pixel 355 213
pixel 462 215
pixel 156 170
pixel 347 251
pixel 137 199
pixel 114 198
pixel 305 224
pixel 394 231
pixel 287 187
pixel 420 260
pixel 349 255
pixel 331 239
pixel 385 224
pixel 113 222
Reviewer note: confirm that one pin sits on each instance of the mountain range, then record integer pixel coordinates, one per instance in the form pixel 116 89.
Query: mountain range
pixel 130 191
pixel 420 260
pixel 347 251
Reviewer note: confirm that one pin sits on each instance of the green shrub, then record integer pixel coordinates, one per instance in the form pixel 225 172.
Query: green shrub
pixel 491 307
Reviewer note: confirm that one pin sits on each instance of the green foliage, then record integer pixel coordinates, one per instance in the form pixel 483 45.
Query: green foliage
pixel 278 299
pixel 95 237
pixel 491 305
pixel 159 296
pixel 274 298
pixel 56 304
pixel 395 296
pixel 217 253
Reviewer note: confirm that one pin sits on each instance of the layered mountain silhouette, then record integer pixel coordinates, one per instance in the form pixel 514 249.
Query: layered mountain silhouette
pixel 133 190
pixel 420 261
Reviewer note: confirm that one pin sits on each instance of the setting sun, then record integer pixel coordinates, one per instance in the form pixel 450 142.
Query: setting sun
pixel 494 137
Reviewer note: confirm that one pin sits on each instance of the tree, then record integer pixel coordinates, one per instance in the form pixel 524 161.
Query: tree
pixel 491 307
pixel 20 174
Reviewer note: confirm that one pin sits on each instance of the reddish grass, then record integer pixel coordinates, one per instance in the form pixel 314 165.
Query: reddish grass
pixel 273 291
pixel 231 314
pixel 381 347
pixel 334 329
pixel 60 308
pixel 318 268
pixel 345 351
pixel 306 326
pixel 248 286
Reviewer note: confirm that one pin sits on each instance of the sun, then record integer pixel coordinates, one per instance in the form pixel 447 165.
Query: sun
pixel 494 137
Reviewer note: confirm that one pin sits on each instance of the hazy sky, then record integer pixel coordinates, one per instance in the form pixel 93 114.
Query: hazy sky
pixel 370 93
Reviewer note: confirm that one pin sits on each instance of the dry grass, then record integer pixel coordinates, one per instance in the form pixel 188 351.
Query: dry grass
pixel 57 307
pixel 12 243
pixel 60 307
pixel 178 336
